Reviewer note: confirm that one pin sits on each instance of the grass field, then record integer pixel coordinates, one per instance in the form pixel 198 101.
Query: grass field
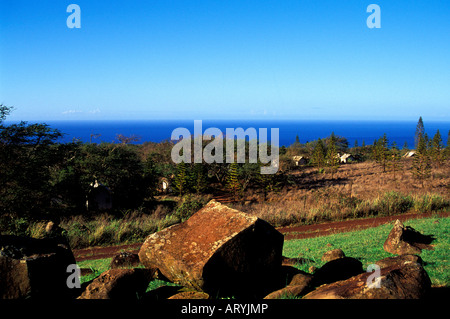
pixel 365 245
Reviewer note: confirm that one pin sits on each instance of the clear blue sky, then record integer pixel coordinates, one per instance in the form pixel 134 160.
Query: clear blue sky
pixel 225 59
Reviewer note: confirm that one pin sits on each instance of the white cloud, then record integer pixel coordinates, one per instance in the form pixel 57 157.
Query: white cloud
pixel 97 110
pixel 72 112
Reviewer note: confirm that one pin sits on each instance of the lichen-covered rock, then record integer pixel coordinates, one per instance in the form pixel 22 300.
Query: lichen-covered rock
pixel 34 268
pixel 217 250
pixel 333 254
pixel 405 240
pixel 118 284
pixel 402 280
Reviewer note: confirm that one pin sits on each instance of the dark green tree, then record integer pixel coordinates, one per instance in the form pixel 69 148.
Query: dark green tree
pixel 27 157
pixel 181 179
pixel 233 185
pixel 199 178
pixel 394 162
pixel 420 131
pixel 318 158
pixel 421 167
pixel 332 158
pixel 382 151
pixel 437 149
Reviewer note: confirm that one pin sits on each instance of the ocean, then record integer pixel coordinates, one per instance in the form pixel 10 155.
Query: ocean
pixel 159 130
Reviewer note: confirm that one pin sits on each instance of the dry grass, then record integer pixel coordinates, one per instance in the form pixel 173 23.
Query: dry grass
pixel 357 190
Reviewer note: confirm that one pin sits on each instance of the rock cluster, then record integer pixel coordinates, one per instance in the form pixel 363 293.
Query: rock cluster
pixel 218 252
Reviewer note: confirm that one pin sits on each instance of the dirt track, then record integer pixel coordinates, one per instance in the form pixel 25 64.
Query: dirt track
pixel 298 232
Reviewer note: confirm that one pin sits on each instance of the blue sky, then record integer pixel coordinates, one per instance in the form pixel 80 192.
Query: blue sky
pixel 225 59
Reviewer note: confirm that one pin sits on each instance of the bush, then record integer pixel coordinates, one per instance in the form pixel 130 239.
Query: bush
pixel 430 202
pixel 188 206
pixel 392 203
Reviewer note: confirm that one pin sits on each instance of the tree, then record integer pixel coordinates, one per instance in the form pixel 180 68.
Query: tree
pixel 447 148
pixel 268 183
pixel 27 156
pixel 436 149
pixel 181 179
pixel 421 167
pixel 122 139
pixel 199 178
pixel 150 177
pixel 420 131
pixel 332 157
pixel 318 157
pixel 233 184
pixel 395 159
pixel 382 151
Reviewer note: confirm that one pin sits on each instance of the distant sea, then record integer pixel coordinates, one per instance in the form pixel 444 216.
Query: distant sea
pixel 159 130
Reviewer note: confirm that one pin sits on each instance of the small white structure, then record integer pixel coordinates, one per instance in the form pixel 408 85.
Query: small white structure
pixel 299 160
pixel 164 185
pixel 346 158
pixel 410 154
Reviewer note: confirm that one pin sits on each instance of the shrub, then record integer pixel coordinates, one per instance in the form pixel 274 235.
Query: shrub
pixel 188 206
pixel 429 203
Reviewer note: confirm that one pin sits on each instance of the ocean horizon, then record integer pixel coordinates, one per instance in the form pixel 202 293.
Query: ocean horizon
pixel 97 131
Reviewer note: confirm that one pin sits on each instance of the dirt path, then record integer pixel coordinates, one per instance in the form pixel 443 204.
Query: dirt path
pixel 309 231
pixel 298 232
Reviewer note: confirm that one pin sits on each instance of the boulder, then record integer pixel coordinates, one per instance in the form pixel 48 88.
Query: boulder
pixel 34 268
pixel 190 295
pixel 118 284
pixel 287 261
pixel 125 260
pixel 407 280
pixel 335 270
pixel 217 250
pixel 406 240
pixel 333 254
pixel 298 285
pixel 398 260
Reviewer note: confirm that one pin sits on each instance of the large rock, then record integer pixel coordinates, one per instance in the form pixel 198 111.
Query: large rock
pixel 400 280
pixel 406 240
pixel 298 285
pixel 34 268
pixel 217 250
pixel 333 254
pixel 118 284
pixel 125 259
pixel 337 269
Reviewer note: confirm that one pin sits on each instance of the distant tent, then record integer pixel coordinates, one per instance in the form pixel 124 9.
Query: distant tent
pixel 410 154
pixel 299 160
pixel 99 197
pixel 346 158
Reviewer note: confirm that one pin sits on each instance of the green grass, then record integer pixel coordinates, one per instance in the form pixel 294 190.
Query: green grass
pixel 367 246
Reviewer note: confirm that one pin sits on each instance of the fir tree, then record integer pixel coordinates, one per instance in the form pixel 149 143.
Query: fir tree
pixel 395 159
pixel 181 179
pixel 199 176
pixel 436 149
pixel 420 131
pixel 332 157
pixel 318 157
pixel 233 184
pixel 421 167
pixel 382 151
pixel 447 148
